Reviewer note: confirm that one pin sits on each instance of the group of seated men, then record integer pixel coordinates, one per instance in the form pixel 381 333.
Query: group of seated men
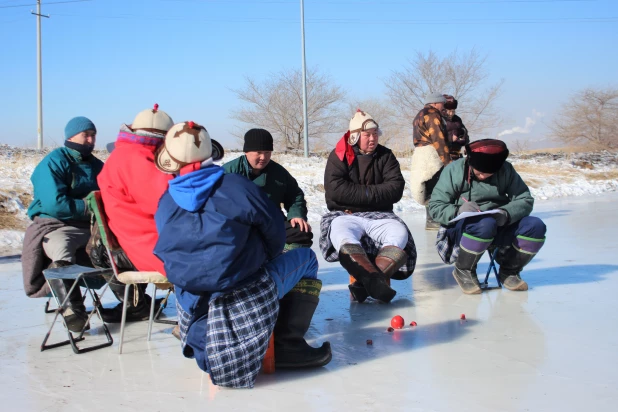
pixel 241 268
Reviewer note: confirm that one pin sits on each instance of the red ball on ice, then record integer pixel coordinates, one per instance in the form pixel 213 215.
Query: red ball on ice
pixel 462 317
pixel 397 322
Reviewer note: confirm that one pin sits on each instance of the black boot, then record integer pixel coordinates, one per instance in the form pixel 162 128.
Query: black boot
pixel 354 259
pixel 74 312
pixel 390 259
pixel 511 262
pixel 430 224
pixel 465 272
pixel 295 312
pixel 358 291
pixel 138 306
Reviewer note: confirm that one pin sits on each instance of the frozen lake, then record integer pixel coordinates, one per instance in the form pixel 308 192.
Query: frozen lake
pixel 554 347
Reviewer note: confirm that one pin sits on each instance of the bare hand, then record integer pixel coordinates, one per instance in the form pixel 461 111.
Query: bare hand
pixel 302 224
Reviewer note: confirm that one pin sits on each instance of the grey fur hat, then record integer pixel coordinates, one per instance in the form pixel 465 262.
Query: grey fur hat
pixel 434 98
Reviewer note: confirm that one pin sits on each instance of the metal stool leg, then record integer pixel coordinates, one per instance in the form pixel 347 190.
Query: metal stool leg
pixel 124 317
pixel 152 306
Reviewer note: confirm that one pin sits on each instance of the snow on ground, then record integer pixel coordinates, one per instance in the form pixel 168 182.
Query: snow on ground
pixel 547 175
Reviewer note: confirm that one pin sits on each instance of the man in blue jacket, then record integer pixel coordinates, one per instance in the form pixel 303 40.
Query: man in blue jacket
pixel 221 241
pixel 61 221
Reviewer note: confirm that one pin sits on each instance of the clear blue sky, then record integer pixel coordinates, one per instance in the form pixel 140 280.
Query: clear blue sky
pixel 109 59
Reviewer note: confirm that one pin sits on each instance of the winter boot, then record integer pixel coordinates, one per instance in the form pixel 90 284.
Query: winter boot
pixel 390 259
pixel 430 224
pixel 512 261
pixel 138 306
pixel 358 291
pixel 74 312
pixel 465 271
pixel 354 259
pixel 296 309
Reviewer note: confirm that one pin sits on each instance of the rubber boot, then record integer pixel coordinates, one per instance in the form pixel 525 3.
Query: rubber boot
pixel 354 259
pixel 138 307
pixel 465 272
pixel 74 312
pixel 295 312
pixel 430 224
pixel 358 291
pixel 390 259
pixel 511 262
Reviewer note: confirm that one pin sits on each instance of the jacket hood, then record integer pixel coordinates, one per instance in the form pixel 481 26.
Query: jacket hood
pixel 191 191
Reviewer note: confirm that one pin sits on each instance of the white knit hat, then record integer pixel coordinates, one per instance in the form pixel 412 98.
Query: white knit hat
pixel 361 121
pixel 186 143
pixel 153 119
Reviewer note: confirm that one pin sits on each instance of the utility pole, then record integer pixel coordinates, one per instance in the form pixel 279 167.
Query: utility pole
pixel 305 119
pixel 39 142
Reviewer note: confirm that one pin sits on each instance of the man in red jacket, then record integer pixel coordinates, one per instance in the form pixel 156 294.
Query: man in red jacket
pixel 131 187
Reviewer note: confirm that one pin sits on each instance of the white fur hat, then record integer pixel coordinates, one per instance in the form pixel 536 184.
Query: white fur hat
pixel 153 119
pixel 361 121
pixel 186 143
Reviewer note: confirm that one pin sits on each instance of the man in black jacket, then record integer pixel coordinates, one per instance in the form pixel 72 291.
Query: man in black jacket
pixel 362 181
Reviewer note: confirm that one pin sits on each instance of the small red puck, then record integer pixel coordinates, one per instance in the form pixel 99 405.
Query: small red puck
pixel 462 317
pixel 412 323
pixel 369 342
pixel 390 329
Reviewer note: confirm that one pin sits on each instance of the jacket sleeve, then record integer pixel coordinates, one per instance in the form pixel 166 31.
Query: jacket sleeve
pixel 294 198
pixel 52 183
pixel 339 188
pixel 443 205
pixel 265 216
pixel 390 190
pixel 521 201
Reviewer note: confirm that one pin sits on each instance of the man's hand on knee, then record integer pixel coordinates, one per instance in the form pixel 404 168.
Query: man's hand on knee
pixel 303 226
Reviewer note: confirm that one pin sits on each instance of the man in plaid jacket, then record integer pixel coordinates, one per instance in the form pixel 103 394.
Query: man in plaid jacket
pixel 220 240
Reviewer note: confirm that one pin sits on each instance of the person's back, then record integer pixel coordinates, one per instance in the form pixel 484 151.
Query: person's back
pixel 221 243
pixel 131 187
pixel 212 237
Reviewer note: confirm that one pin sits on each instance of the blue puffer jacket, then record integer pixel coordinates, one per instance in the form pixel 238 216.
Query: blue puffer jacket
pixel 216 231
pixel 61 181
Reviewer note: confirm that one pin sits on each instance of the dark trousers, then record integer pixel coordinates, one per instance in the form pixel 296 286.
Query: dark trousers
pixel 295 235
pixel 485 227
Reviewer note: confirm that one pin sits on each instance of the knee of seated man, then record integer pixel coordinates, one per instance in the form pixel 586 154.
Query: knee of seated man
pixel 532 226
pixel 484 227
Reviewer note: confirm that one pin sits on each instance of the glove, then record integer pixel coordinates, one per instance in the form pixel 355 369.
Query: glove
pixel 501 218
pixel 468 207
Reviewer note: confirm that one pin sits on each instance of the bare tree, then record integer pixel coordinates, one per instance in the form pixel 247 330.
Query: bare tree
pixel 276 104
pixel 520 146
pixel 463 75
pixel 589 116
pixel 396 131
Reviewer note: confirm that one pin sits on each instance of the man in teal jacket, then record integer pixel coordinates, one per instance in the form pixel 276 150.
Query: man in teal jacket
pixel 485 181
pixel 277 183
pixel 61 221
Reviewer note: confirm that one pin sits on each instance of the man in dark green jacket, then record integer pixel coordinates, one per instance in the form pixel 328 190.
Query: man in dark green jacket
pixel 61 221
pixel 277 183
pixel 485 181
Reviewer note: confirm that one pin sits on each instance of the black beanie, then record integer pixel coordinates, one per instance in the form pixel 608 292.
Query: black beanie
pixel 487 155
pixel 258 140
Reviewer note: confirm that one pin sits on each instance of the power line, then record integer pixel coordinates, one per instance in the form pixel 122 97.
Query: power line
pixel 47 4
pixel 356 3
pixel 355 21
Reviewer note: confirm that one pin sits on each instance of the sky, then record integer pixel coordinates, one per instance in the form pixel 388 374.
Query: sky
pixel 110 59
